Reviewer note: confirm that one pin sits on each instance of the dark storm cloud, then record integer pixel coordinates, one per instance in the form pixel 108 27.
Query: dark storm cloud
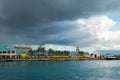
pixel 41 19
pixel 30 13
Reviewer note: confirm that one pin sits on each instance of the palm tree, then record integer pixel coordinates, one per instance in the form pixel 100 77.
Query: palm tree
pixel 51 51
pixel 41 49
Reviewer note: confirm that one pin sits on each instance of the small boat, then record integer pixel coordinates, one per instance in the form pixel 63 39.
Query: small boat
pixel 112 58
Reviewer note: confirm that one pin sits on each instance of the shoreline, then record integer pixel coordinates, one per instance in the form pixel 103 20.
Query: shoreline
pixel 48 59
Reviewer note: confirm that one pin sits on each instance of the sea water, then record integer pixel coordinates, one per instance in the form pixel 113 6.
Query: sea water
pixel 61 70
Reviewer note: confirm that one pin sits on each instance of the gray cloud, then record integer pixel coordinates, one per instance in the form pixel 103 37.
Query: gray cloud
pixel 45 20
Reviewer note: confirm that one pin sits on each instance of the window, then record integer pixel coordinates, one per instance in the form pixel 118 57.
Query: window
pixel 4 52
pixel 8 51
pixel 13 51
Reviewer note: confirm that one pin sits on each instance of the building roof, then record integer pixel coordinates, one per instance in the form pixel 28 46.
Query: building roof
pixel 6 47
pixel 24 48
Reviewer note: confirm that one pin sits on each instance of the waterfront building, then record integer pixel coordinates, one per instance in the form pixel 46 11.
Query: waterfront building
pixel 7 52
pixel 108 53
pixel 11 52
pixel 22 49
pixel 95 54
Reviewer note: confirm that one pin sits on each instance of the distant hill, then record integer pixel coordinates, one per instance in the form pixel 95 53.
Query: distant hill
pixel 112 52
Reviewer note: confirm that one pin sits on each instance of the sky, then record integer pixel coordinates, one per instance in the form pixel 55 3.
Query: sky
pixel 61 24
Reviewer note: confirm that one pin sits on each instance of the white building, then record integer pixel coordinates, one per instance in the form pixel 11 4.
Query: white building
pixel 95 54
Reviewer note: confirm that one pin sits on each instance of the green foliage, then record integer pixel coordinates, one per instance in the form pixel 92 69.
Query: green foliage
pixel 51 50
pixel 58 53
pixel 81 53
pixel 41 49
pixel 36 52
pixel 32 52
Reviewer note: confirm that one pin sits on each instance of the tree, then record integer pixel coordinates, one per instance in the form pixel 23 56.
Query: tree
pixel 41 49
pixel 32 52
pixel 66 53
pixel 51 51
pixel 81 53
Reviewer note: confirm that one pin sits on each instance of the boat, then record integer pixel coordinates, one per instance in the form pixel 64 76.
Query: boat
pixel 112 58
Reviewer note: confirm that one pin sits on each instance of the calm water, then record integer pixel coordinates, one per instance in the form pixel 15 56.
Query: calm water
pixel 60 70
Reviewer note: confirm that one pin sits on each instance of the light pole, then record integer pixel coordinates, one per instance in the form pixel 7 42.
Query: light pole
pixel 77 50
